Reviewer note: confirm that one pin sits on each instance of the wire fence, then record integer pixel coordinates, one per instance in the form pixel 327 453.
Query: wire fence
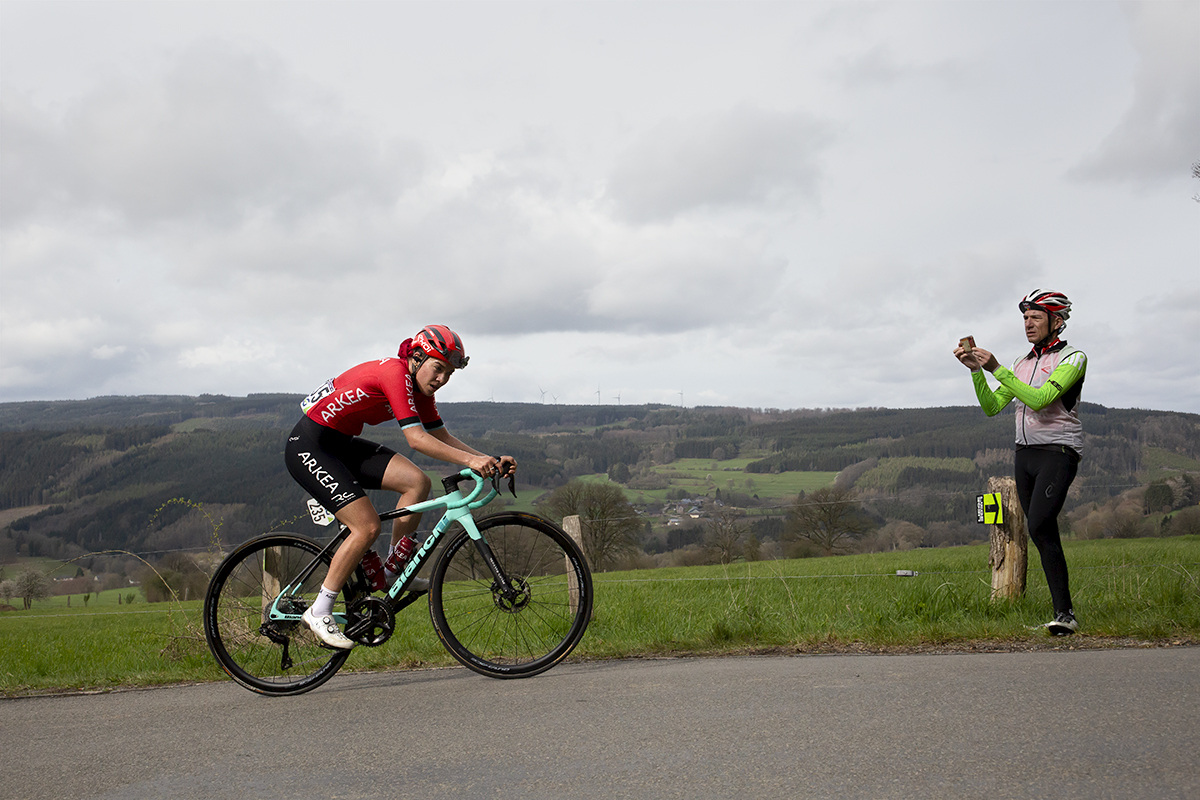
pixel 610 579
pixel 785 507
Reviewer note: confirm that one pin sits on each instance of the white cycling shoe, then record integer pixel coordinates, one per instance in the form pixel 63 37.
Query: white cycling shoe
pixel 327 631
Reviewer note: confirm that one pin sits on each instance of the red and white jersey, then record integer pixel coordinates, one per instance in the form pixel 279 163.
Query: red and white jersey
pixel 370 394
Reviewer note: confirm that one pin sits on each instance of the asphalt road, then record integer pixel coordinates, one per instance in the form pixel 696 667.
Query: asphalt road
pixel 1085 724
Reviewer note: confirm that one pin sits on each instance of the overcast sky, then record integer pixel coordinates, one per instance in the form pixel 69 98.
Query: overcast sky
pixel 778 205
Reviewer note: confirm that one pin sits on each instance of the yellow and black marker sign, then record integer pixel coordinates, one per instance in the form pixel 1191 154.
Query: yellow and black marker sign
pixel 990 509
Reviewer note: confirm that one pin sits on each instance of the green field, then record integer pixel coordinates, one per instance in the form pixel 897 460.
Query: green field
pixel 108 600
pixel 884 476
pixel 1126 591
pixel 703 477
pixel 1159 463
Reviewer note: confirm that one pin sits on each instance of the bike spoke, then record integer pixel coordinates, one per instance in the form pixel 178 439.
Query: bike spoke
pixel 267 656
pixel 516 634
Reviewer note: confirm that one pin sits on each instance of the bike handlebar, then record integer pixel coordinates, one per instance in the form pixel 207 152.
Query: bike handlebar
pixel 450 483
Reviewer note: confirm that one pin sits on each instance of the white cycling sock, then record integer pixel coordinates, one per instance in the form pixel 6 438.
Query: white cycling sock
pixel 324 603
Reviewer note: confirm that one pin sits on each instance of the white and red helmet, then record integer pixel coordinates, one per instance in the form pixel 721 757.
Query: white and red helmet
pixel 1053 303
pixel 443 344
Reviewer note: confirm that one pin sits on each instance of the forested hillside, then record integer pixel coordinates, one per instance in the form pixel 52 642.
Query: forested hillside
pixel 160 474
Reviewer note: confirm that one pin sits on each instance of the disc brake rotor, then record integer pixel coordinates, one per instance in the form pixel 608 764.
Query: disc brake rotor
pixel 514 603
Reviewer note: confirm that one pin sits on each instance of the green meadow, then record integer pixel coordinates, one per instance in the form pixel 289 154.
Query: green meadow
pixel 703 476
pixel 1127 592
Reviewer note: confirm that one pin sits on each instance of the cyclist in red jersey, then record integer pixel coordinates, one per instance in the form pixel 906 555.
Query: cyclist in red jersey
pixel 328 458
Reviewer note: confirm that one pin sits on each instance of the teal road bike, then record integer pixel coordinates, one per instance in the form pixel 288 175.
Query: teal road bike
pixel 510 596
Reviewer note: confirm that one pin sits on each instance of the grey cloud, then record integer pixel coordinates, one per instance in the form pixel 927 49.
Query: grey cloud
pixel 1158 136
pixel 221 134
pixel 516 252
pixel 886 293
pixel 743 157
pixel 34 169
pixel 219 222
pixel 601 279
pixel 876 66
pixel 879 66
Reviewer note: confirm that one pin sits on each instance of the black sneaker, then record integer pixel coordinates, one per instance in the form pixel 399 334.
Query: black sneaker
pixel 1063 624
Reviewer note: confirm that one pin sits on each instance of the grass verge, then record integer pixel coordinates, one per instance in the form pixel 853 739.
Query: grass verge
pixel 1134 591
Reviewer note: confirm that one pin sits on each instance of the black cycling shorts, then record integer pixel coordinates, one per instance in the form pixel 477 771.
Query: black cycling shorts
pixel 333 467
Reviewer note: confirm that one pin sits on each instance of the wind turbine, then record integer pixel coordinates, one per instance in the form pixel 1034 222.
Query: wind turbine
pixel 597 394
pixel 555 398
pixel 681 398
pixel 543 391
pixel 618 398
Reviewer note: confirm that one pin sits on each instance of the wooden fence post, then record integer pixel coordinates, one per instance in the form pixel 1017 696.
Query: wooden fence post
pixel 574 529
pixel 1009 552
pixel 271 586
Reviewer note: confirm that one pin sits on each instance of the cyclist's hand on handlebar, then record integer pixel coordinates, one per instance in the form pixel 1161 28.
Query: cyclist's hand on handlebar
pixel 484 465
pixel 488 466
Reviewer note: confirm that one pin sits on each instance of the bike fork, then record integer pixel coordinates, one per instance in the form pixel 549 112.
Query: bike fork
pixel 502 584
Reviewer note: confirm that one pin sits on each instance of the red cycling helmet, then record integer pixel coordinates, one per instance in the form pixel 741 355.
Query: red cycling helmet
pixel 443 344
pixel 1053 303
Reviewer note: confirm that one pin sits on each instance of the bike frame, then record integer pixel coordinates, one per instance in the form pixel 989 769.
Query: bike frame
pixel 457 509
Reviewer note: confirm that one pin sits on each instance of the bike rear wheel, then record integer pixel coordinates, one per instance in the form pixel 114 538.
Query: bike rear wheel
pixel 523 634
pixel 266 656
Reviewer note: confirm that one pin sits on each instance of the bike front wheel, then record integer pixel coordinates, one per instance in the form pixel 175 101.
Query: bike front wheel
pixel 524 631
pixel 267 656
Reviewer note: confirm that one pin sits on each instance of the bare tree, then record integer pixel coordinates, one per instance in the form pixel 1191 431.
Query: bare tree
pixel 724 534
pixel 177 576
pixel 31 585
pixel 753 548
pixel 898 535
pixel 1185 522
pixel 828 518
pixel 610 525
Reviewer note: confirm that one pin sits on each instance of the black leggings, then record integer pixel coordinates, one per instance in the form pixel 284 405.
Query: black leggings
pixel 1043 478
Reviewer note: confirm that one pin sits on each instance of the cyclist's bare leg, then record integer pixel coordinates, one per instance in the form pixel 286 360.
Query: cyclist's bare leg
pixel 363 521
pixel 413 484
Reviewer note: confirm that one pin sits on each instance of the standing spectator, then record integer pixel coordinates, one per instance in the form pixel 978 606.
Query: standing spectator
pixel 1046 383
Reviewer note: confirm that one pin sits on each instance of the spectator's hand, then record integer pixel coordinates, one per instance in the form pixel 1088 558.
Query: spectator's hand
pixel 985 359
pixel 978 358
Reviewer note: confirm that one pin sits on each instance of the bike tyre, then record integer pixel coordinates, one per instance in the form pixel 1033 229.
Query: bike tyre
pixel 469 616
pixel 234 610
